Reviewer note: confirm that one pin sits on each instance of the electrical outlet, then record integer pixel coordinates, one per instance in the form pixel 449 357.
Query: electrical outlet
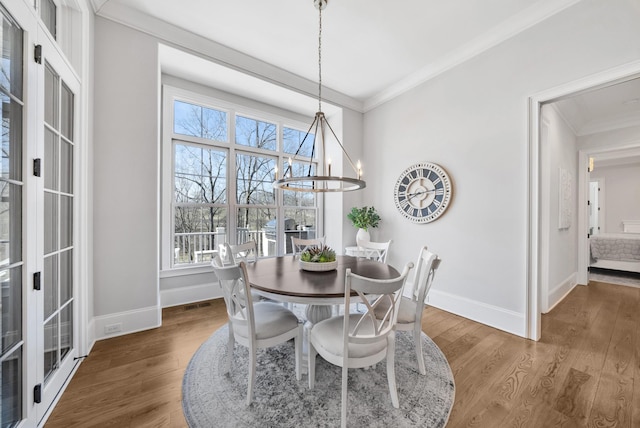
pixel 113 328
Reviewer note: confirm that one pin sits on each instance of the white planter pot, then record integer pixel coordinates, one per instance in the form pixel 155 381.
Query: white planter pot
pixel 362 236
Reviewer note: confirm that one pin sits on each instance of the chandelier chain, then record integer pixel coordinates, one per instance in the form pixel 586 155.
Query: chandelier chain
pixel 319 183
pixel 320 58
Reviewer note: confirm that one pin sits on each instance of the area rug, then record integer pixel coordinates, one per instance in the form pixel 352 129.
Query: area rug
pixel 212 399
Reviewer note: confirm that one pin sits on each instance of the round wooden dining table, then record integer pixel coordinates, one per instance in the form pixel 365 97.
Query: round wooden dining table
pixel 282 279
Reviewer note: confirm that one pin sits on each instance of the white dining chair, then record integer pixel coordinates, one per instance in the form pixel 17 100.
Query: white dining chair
pixel 254 325
pixel 234 253
pixel 377 251
pixel 359 340
pixel 412 303
pixel 298 245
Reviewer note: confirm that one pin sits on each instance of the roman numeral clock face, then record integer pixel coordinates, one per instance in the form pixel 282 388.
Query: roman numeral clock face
pixel 423 192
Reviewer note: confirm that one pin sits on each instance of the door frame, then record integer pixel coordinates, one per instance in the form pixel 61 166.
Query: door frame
pixel 535 239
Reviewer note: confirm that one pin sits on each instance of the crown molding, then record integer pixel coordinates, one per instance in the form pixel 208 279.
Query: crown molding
pixel 97 5
pixel 596 127
pixel 531 16
pixel 564 118
pixel 215 52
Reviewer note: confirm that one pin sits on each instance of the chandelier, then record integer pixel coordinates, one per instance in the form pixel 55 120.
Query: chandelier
pixel 314 182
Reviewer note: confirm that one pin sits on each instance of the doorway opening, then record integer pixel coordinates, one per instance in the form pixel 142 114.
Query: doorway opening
pixel 537 164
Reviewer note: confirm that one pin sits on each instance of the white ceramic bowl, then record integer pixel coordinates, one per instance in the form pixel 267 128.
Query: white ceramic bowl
pixel 318 267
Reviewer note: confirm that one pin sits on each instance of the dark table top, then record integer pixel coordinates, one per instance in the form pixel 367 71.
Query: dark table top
pixel 283 276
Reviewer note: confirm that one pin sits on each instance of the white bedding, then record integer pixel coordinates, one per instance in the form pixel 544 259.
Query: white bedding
pixel 615 246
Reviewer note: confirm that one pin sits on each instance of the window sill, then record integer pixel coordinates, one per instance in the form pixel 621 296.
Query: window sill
pixel 187 270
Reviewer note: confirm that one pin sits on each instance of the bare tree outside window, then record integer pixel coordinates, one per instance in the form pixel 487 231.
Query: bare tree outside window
pixel 202 157
pixel 200 184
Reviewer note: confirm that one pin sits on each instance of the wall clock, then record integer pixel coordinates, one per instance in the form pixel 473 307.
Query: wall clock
pixel 423 192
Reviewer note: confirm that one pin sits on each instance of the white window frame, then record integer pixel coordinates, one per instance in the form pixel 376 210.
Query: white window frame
pixel 233 107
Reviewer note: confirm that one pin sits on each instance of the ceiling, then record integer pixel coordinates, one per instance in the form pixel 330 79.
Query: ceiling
pixel 371 50
pixel 604 109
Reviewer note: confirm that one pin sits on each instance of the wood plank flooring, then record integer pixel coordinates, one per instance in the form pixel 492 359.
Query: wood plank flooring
pixel 584 372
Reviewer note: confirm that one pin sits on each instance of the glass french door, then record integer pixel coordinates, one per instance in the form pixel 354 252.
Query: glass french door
pixel 38 304
pixel 56 319
pixel 12 343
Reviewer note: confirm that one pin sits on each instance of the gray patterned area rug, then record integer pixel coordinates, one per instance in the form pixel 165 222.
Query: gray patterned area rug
pixel 212 399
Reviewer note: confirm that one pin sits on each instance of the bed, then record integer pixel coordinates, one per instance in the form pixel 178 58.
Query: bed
pixel 617 251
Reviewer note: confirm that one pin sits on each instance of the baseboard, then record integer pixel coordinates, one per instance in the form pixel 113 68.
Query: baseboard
pixel 560 292
pixel 493 316
pixel 127 322
pixel 186 295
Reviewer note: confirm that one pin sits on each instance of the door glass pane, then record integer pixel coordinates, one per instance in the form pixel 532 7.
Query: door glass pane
pixel 66 276
pixel 51 81
pixel 11 138
pixel 66 330
pixel 11 64
pixel 50 346
pixel 50 160
pixel 66 167
pixel 66 112
pixel 50 222
pixel 48 15
pixel 11 321
pixel 304 221
pixel 50 285
pixel 254 179
pixel 66 221
pixel 11 266
pixel 10 223
pixel 258 224
pixel 11 377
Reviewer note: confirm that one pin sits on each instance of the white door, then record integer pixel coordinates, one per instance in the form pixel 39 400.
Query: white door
pixel 57 307
pixel 38 267
pixel 12 249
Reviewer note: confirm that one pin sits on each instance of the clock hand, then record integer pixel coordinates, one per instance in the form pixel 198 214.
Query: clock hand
pixel 411 195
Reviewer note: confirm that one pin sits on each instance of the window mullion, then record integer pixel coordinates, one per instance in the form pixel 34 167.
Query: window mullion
pixel 232 217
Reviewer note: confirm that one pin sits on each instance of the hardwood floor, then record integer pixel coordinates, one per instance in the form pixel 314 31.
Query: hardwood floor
pixel 584 372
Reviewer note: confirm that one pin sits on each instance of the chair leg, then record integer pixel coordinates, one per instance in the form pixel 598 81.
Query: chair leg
pixel 391 371
pixel 345 377
pixel 252 374
pixel 311 363
pixel 417 338
pixel 298 344
pixel 230 344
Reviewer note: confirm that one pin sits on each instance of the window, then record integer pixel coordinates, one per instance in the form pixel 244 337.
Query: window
pixel 219 166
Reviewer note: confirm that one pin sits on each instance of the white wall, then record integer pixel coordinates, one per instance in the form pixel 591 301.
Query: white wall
pixel 558 149
pixel 473 121
pixel 622 194
pixel 126 109
pixel 127 182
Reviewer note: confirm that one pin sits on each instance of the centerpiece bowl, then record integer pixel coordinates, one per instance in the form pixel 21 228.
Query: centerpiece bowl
pixel 318 259
pixel 318 266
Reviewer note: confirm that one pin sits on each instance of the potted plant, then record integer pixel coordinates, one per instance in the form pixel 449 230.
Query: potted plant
pixel 363 218
pixel 318 259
